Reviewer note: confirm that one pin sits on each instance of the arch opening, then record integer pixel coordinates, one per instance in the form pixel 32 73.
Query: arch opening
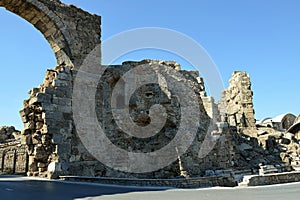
pixel 72 34
pixel 35 13
pixel 26 56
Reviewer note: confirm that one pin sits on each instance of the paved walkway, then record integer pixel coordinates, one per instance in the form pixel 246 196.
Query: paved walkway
pixel 275 192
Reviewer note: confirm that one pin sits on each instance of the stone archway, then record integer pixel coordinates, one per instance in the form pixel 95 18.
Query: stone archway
pixel 49 134
pixel 47 115
pixel 71 32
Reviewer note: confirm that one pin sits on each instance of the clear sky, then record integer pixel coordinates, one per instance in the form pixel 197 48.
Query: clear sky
pixel 260 37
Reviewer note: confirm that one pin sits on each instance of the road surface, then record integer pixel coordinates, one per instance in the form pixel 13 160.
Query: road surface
pixel 16 187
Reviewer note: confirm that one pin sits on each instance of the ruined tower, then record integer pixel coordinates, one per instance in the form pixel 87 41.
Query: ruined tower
pixel 236 106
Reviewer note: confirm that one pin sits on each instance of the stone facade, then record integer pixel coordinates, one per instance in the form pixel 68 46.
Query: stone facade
pixel 55 149
pixel 189 164
pixel 48 126
pixel 13 158
pixel 13 155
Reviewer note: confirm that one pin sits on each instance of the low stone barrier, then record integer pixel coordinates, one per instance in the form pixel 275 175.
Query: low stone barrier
pixel 270 179
pixel 174 183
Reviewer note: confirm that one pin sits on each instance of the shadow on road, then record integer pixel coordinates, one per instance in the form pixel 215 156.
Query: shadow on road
pixel 17 187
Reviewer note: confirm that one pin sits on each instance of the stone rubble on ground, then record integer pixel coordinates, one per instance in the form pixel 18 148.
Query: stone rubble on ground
pixel 8 133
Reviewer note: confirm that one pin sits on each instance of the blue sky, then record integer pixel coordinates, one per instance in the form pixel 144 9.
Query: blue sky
pixel 260 37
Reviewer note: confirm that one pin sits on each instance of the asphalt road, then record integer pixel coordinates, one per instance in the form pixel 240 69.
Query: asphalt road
pixel 12 187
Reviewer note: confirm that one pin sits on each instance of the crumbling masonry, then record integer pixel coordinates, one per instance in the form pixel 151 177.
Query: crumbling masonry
pixel 53 147
pixel 236 105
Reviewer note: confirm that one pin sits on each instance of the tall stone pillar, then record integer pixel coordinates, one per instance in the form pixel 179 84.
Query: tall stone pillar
pixel 236 105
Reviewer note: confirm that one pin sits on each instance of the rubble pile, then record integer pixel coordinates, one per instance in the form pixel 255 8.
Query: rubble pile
pixel 266 146
pixel 8 133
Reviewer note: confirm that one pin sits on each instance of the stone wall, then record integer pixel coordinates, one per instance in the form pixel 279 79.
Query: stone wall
pixel 47 118
pixel 236 106
pixel 13 158
pixel 55 148
pixel 189 164
pixel 211 107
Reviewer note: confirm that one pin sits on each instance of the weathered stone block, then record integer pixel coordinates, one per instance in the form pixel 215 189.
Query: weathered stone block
pixel 52 115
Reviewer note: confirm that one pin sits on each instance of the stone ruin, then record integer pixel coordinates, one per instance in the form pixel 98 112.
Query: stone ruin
pixel 236 106
pixel 53 147
pixel 8 133
pixel 13 155
pixel 295 128
pixel 281 122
